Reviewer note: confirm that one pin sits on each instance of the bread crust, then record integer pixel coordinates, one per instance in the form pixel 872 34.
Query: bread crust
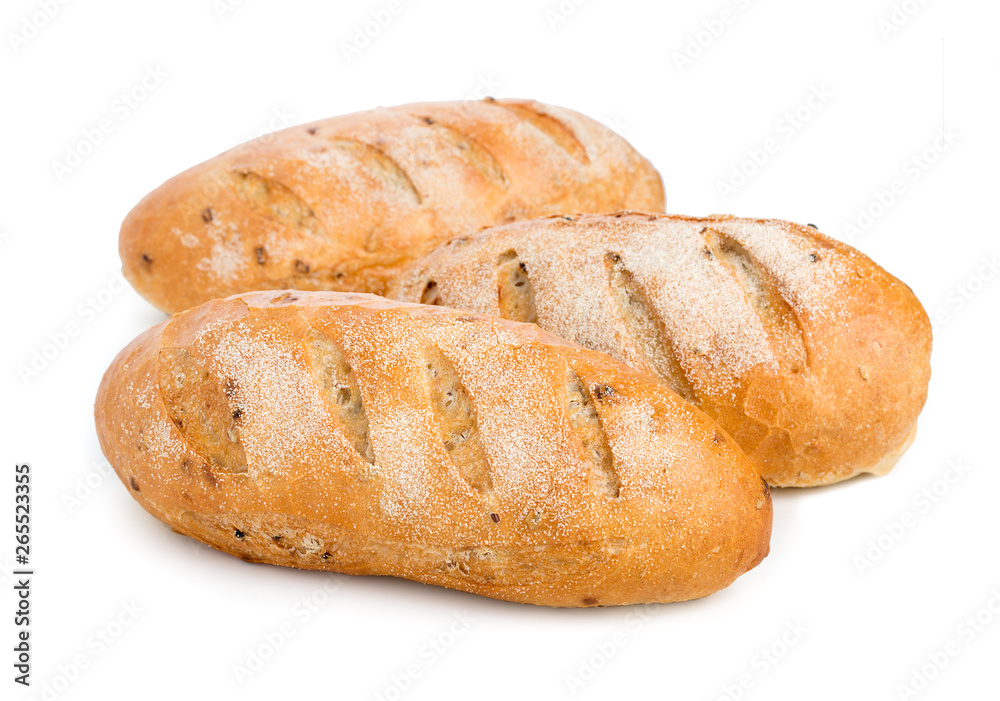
pixel 335 204
pixel 236 423
pixel 813 357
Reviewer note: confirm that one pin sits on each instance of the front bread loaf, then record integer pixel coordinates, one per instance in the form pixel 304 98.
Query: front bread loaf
pixel 335 204
pixel 814 358
pixel 345 432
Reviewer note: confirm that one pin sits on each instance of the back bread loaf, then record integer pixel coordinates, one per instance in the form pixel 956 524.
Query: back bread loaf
pixel 334 204
pixel 813 357
pixel 354 434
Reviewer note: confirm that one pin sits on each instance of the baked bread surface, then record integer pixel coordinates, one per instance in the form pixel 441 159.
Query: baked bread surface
pixel 350 433
pixel 335 204
pixel 814 358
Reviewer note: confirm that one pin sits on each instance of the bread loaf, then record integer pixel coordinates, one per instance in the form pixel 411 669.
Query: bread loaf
pixel 814 358
pixel 350 433
pixel 335 204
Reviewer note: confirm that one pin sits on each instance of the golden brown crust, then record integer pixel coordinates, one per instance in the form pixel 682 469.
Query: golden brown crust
pixel 813 357
pixel 334 204
pixel 493 457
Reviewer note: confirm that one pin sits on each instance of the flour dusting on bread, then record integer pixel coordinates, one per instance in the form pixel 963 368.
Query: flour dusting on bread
pixel 338 203
pixel 761 323
pixel 603 490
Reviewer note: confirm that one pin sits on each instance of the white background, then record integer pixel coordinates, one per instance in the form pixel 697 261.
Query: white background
pixel 231 76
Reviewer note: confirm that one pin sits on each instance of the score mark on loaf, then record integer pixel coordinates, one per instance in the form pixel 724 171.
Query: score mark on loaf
pixel 349 433
pixel 338 203
pixel 814 358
